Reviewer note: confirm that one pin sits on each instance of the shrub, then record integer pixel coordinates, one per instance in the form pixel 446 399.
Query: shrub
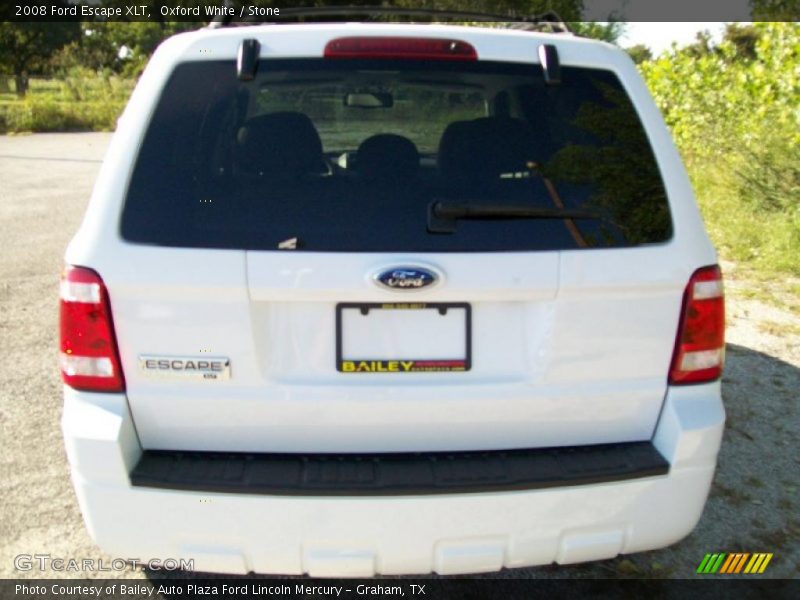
pixel 80 100
pixel 734 113
pixel 45 115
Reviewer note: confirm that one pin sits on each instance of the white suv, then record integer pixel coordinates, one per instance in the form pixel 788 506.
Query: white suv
pixel 357 299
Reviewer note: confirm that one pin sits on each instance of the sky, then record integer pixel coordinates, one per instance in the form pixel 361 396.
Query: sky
pixel 659 36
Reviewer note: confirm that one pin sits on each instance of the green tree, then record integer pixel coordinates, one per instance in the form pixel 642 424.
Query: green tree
pixel 639 53
pixel 608 32
pixel 734 114
pixel 744 38
pixel 125 47
pixel 702 46
pixel 775 10
pixel 26 48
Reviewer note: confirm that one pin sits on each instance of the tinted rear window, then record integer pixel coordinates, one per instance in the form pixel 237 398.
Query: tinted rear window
pixel 350 155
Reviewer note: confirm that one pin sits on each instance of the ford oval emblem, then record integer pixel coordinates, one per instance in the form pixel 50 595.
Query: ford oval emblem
pixel 406 278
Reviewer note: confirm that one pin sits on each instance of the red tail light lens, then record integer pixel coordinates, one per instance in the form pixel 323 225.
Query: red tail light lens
pixel 700 347
pixel 400 47
pixel 89 356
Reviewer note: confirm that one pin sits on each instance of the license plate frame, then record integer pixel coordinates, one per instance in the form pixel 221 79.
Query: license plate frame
pixel 401 365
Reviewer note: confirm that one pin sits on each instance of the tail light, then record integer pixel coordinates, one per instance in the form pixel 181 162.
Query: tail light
pixel 400 47
pixel 700 347
pixel 89 356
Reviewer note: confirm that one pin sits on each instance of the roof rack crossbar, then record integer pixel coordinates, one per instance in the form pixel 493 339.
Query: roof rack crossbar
pixel 223 19
pixel 549 19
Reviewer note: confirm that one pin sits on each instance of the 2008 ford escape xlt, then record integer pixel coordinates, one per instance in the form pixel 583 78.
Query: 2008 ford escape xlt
pixel 357 299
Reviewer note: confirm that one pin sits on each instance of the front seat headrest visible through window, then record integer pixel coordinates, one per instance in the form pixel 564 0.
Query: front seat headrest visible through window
pixel 280 145
pixel 387 157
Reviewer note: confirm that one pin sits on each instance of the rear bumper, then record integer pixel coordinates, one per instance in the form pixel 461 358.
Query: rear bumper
pixel 364 535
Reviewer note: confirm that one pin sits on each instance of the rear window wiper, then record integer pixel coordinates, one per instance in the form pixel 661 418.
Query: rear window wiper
pixel 442 218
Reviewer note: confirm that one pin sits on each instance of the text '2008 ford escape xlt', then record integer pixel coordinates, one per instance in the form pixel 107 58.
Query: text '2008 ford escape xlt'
pixel 357 299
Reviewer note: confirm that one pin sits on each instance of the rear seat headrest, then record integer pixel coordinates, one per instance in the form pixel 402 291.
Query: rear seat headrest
pixel 280 144
pixel 479 151
pixel 387 156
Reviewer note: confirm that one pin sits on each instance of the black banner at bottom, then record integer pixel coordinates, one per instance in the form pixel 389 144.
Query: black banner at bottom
pixel 462 588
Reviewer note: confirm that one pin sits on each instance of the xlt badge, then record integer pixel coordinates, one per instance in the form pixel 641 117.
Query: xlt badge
pixel 206 368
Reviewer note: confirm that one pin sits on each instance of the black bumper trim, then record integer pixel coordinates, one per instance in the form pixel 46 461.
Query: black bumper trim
pixel 396 474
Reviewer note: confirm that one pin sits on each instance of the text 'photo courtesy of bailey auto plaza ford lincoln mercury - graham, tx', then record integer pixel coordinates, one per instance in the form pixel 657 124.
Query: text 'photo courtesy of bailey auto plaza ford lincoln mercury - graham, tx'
pixel 378 291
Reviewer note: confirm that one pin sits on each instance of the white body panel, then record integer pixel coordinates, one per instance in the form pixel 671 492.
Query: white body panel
pixel 546 372
pixel 569 348
pixel 562 341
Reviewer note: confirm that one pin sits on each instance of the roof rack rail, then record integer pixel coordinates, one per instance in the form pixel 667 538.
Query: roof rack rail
pixel 547 21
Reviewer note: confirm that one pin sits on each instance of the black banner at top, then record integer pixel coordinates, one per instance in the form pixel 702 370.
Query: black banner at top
pixel 203 11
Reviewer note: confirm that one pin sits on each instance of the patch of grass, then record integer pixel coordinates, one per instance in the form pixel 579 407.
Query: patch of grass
pixel 81 101
pixel 659 570
pixel 754 482
pixel 734 496
pixel 765 287
pixel 779 329
pixel 36 115
pixel 752 293
pixel 627 567
pixel 762 242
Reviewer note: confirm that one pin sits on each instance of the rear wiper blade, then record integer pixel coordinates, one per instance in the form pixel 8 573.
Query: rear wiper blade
pixel 442 217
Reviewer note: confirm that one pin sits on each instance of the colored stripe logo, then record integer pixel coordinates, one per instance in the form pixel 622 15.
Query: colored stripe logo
pixel 734 563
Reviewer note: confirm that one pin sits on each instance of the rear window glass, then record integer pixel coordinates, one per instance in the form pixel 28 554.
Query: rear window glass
pixel 394 156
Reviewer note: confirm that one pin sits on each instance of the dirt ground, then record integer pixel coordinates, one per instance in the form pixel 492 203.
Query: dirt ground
pixel 45 181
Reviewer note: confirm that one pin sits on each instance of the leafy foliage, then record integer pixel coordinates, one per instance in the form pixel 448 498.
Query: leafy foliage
pixel 734 110
pixel 610 31
pixel 25 48
pixel 116 47
pixel 81 101
pixel 775 10
pixel 639 53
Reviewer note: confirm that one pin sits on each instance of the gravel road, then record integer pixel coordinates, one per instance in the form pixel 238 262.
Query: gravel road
pixel 45 181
